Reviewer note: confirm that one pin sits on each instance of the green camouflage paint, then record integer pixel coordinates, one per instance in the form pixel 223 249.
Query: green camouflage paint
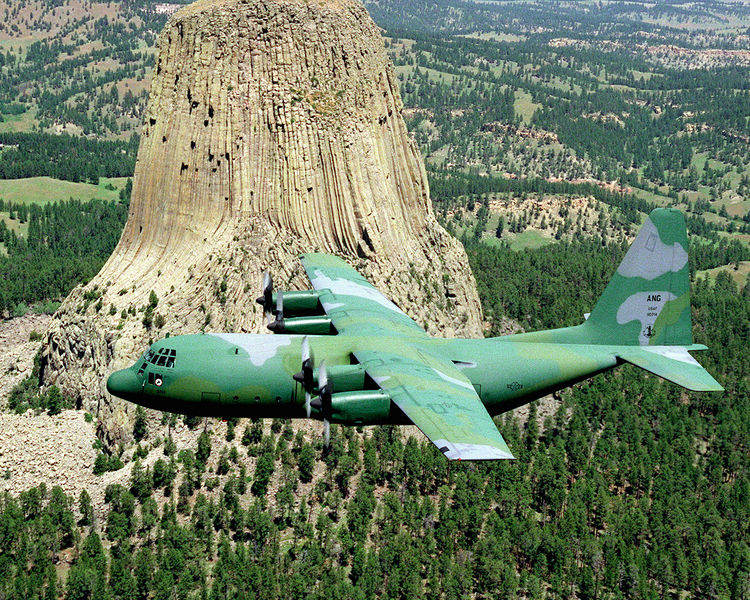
pixel 449 388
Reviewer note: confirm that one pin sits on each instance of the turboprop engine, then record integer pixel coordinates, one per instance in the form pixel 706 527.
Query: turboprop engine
pixel 338 394
pixel 296 312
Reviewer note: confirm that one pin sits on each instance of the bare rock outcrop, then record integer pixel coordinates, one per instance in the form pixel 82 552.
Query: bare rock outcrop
pixel 273 128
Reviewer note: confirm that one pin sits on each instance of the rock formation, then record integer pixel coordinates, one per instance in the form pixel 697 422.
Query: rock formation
pixel 273 128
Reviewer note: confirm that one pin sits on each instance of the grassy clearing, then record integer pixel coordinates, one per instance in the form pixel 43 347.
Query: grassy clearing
pixel 20 229
pixel 740 275
pixel 555 83
pixel 710 217
pixel 496 37
pixel 528 239
pixel 432 74
pixel 618 87
pixel 736 208
pixel 439 76
pixel 439 156
pixel 716 25
pixel 699 161
pixel 22 123
pixel 524 106
pixel 644 75
pixel 743 238
pixel 43 190
pixel 14 43
pixel 504 65
pixel 657 199
pixel 135 85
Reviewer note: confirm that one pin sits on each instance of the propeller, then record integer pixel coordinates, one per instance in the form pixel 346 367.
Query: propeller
pixel 305 376
pixel 323 402
pixel 266 300
pixel 278 323
pixel 325 392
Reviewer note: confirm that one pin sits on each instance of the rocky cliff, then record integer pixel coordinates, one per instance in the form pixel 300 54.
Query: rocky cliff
pixel 273 128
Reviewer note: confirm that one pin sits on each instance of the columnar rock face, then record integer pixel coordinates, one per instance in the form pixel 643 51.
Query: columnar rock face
pixel 273 128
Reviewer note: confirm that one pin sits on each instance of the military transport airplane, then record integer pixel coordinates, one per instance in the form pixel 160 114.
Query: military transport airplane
pixel 377 366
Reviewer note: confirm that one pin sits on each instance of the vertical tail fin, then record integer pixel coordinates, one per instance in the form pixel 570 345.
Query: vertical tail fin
pixel 647 301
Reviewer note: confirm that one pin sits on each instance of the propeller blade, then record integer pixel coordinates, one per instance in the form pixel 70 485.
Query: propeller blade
pixel 279 305
pixel 322 377
pixel 308 363
pixel 266 300
pixel 267 282
pixel 325 402
pixel 277 324
pixel 305 376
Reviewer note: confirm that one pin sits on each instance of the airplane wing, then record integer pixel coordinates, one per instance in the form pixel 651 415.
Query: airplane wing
pixel 440 400
pixel 353 304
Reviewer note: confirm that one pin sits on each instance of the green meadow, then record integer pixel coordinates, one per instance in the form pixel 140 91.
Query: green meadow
pixel 42 190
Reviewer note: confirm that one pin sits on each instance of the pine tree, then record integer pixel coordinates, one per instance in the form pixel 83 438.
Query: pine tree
pixel 140 426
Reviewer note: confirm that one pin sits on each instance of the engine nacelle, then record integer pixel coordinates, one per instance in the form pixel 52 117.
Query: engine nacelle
pixel 301 301
pixel 365 407
pixel 312 325
pixel 345 378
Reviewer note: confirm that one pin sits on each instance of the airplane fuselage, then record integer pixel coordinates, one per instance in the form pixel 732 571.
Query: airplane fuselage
pixel 251 375
pixel 343 352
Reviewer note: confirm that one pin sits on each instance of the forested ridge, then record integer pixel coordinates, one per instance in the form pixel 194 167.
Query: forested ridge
pixel 66 243
pixel 65 157
pixel 534 110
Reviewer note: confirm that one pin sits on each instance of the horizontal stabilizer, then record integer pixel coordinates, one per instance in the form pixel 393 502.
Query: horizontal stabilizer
pixel 674 364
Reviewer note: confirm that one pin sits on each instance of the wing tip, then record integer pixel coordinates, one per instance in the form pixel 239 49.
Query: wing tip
pixel 707 387
pixel 472 451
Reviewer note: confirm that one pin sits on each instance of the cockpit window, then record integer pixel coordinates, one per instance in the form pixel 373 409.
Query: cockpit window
pixel 162 357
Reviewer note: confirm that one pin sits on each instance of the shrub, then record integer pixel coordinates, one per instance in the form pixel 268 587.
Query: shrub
pixel 100 464
pixel 140 427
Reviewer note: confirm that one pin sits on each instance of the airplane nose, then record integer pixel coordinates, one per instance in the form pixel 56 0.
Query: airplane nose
pixel 123 383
